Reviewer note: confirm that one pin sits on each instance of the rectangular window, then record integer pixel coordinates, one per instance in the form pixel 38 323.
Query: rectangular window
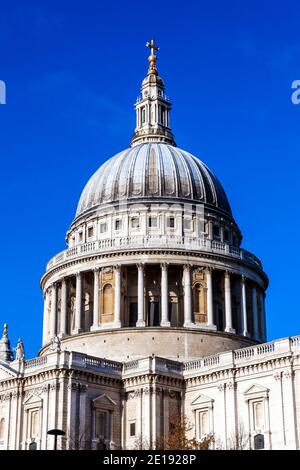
pixel 103 227
pixel 90 232
pixel 80 236
pixel 153 222
pixel 118 224
pixel 135 222
pixel 170 222
pixel 132 429
pixel 226 235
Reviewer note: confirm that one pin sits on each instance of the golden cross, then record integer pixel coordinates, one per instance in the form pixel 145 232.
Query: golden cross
pixel 152 46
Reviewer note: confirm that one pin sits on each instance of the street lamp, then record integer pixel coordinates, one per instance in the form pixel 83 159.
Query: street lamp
pixel 55 433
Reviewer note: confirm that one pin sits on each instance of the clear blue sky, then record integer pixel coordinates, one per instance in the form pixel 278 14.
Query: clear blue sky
pixel 73 71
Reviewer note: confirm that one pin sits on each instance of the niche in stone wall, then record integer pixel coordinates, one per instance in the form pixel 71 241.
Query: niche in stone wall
pixel 103 410
pixel 199 296
pixel 107 295
pixel 88 301
pixel 33 406
pixel 2 430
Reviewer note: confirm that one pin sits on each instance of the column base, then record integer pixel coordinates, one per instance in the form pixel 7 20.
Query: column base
pixel 246 334
pixel 62 335
pixel 140 324
pixel 76 331
pixel 189 324
pixel 95 327
pixel 166 324
pixel 116 324
pixel 209 327
pixel 230 330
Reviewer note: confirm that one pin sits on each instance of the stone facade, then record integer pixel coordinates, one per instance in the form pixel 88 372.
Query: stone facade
pixel 153 310
pixel 248 392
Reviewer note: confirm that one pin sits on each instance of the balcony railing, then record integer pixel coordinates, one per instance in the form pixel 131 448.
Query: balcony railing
pixel 159 242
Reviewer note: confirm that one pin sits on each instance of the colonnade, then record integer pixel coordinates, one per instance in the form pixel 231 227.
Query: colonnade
pixel 257 297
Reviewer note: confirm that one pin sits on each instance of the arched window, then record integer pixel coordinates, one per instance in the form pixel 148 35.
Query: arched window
pixel 2 429
pixel 259 442
pixel 108 306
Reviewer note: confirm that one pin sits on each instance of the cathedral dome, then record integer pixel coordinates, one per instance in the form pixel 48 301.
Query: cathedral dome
pixel 156 171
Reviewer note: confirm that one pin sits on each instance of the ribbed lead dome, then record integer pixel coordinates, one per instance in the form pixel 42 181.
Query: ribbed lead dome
pixel 153 171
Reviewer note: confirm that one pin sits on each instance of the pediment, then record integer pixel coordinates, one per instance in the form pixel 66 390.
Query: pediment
pixel 202 400
pixel 104 401
pixel 6 372
pixel 256 389
pixel 33 400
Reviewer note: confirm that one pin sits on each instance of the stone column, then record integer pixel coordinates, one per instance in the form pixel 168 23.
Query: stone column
pixel 255 313
pixel 45 320
pixel 147 415
pixel 95 325
pixel 210 230
pixel 63 313
pixel 53 310
pixel 290 407
pixel 231 411
pixel 141 296
pixel 222 233
pixel 263 316
pixel 72 414
pixel 164 296
pixel 78 303
pixel 244 306
pixel 83 430
pixel 228 308
pixel 210 305
pixel 117 320
pixel 187 296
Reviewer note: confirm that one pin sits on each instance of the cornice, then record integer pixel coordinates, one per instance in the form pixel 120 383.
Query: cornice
pixel 157 251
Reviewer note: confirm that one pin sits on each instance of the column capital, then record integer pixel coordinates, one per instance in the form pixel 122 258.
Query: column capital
pixel 63 280
pixel 187 267
pixel 78 274
pixel 243 278
pixel 96 270
pixel 117 268
pixel 228 273
pixel 140 266
pixel 209 269
pixel 164 266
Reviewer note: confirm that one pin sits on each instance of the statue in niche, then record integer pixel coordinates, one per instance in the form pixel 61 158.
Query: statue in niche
pixel 88 320
pixel 73 311
pixel 86 301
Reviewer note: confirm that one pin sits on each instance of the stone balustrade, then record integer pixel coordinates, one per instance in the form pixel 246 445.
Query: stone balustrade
pixel 36 362
pixel 234 358
pixel 156 241
pixel 227 359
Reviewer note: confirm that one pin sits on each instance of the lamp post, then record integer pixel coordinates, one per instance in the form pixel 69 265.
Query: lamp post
pixel 55 433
